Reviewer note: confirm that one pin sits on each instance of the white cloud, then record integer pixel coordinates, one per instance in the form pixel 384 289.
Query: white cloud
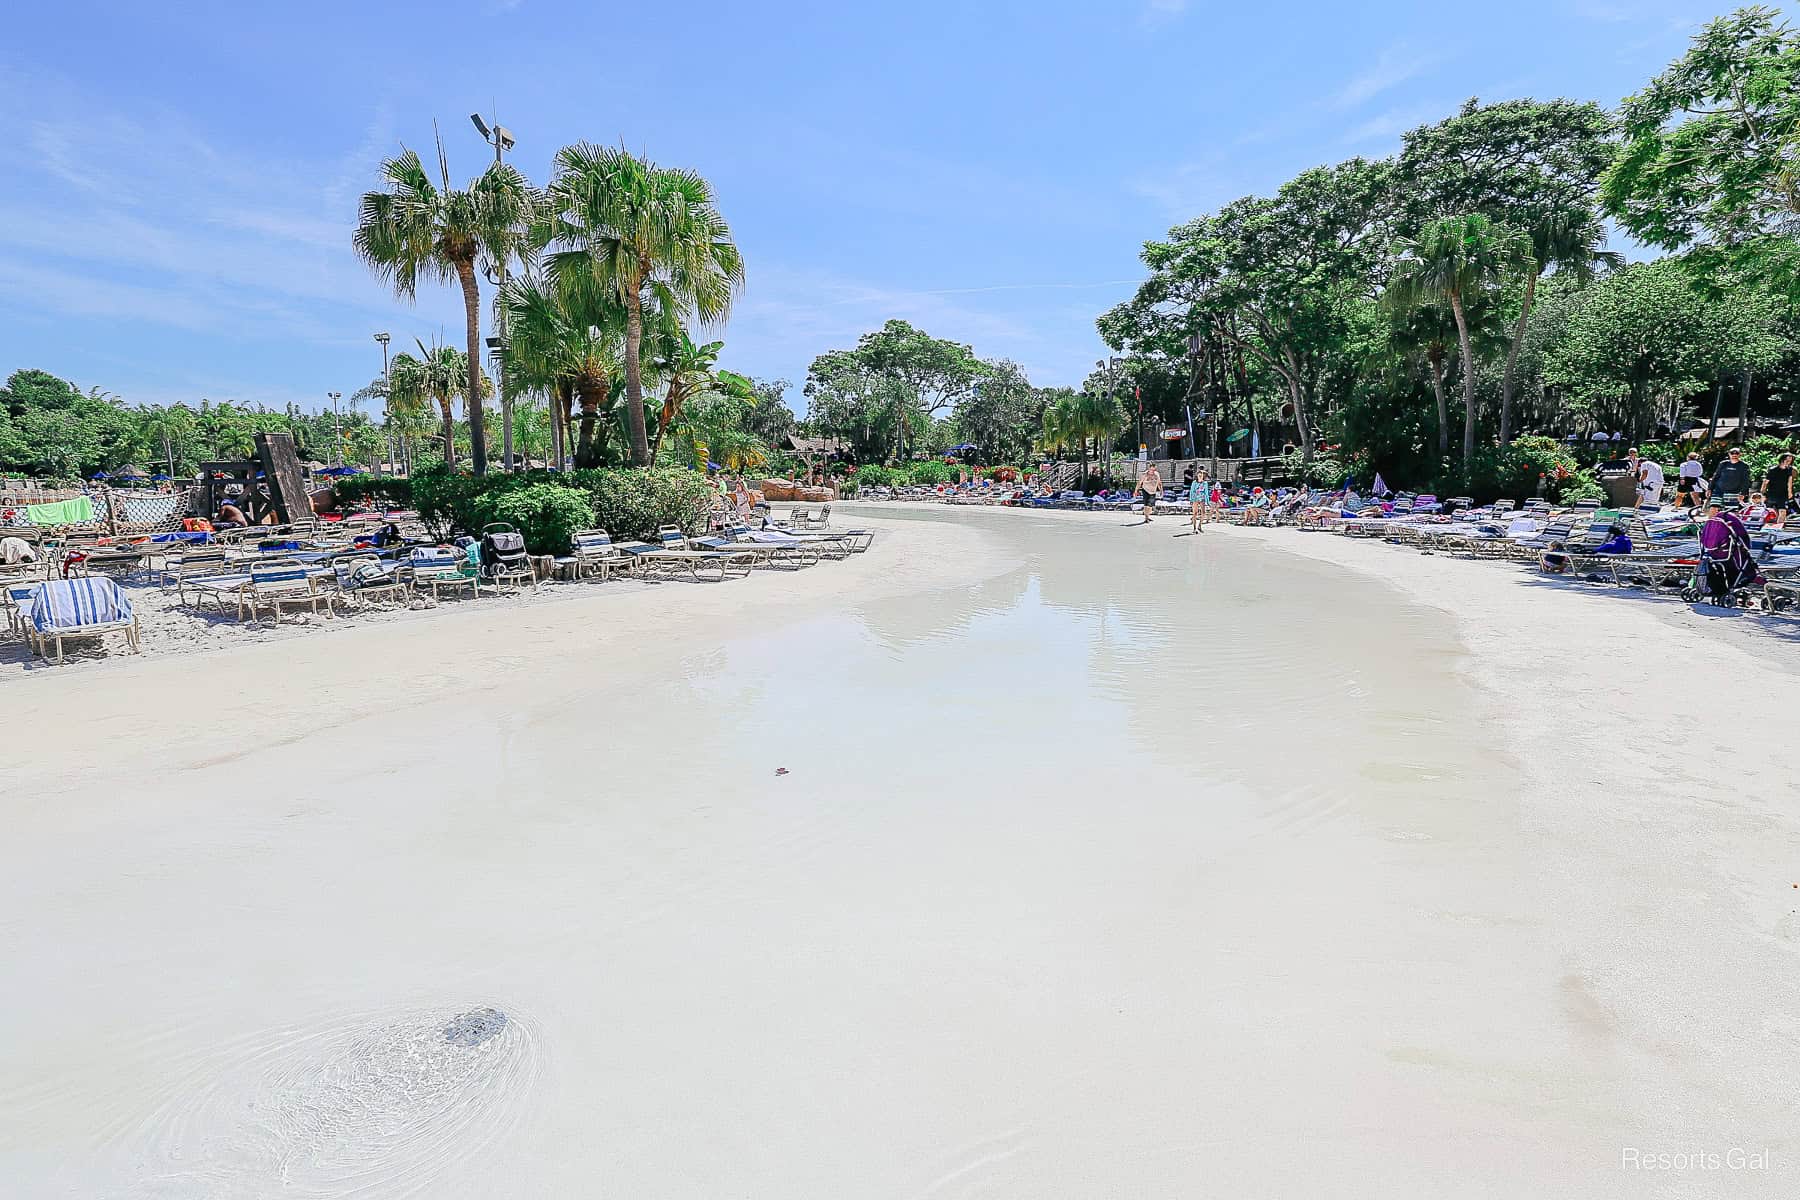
pixel 1156 11
pixel 1392 67
pixel 1390 124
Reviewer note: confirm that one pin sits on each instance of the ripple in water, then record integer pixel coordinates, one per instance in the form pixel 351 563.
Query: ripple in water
pixel 358 1108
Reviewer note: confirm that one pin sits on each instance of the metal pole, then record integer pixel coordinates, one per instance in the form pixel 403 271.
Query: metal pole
pixel 340 425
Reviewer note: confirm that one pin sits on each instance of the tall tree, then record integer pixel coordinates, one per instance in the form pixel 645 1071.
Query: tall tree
pixel 651 237
pixel 1531 164
pixel 1454 259
pixel 570 343
pixel 415 227
pixel 1708 161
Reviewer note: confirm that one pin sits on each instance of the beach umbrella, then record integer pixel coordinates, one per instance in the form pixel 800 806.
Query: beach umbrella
pixel 99 475
pixel 159 477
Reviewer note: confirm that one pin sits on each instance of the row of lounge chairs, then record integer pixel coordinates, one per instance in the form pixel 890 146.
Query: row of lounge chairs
pixel 1664 544
pixel 283 574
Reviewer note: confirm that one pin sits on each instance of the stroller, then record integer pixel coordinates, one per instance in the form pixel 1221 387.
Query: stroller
pixel 503 556
pixel 1724 580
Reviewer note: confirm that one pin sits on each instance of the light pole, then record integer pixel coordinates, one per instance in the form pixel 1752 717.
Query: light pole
pixel 1106 367
pixel 501 139
pixel 339 444
pixel 386 402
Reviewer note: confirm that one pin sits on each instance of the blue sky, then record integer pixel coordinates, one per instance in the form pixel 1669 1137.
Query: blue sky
pixel 180 181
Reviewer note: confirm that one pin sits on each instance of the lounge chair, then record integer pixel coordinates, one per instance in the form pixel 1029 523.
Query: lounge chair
pixel 593 552
pixel 367 575
pixel 16 599
pixel 192 563
pixel 438 568
pixel 63 608
pixel 286 584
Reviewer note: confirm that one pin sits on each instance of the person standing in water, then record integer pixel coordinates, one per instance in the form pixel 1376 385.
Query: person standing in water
pixel 1150 484
pixel 1197 500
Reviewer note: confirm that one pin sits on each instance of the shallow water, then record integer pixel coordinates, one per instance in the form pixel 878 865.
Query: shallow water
pixel 1155 865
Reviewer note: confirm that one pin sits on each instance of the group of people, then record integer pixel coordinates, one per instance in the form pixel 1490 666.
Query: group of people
pixel 1206 498
pixel 1771 503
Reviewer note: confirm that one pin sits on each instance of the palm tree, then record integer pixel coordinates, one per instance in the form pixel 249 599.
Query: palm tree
pixel 1429 329
pixel 689 372
pixel 1572 241
pixel 438 375
pixel 570 343
pixel 418 228
pixel 170 427
pixel 1453 259
pixel 647 235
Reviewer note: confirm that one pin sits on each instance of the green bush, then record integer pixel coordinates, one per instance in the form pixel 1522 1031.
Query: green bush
pixel 631 502
pixel 1323 471
pixel 355 489
pixel 930 473
pixel 627 502
pixel 1580 486
pixel 873 475
pixel 547 514
pixel 1762 452
pixel 1517 471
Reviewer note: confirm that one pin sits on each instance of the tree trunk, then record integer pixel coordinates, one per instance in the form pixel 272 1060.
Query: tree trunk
pixel 1302 424
pixel 1436 355
pixel 1744 408
pixel 1712 425
pixel 1509 380
pixel 465 271
pixel 634 381
pixel 449 433
pixel 586 453
pixel 1083 463
pixel 1468 365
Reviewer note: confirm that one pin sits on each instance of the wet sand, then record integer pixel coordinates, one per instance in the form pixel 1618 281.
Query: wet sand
pixel 1105 863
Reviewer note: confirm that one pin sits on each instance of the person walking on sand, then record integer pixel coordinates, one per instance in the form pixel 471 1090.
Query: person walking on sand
pixel 1197 500
pixel 1778 489
pixel 1150 484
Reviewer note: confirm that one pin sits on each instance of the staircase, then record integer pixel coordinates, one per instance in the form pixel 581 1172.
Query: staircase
pixel 1062 476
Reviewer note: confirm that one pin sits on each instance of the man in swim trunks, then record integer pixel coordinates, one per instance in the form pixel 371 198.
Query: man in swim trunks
pixel 1150 484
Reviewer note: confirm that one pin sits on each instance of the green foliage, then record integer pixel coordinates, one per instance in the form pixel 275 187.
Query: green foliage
pixel 873 475
pixel 1581 486
pixel 929 473
pixel 1320 470
pixel 627 502
pixel 1517 471
pixel 547 514
pixel 1708 157
pixel 355 489
pixel 880 398
pixel 1762 452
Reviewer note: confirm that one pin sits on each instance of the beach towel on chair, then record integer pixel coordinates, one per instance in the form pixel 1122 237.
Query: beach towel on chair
pixel 61 512
pixel 69 603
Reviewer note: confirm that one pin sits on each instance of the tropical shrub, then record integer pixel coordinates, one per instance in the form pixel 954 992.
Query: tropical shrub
pixel 1582 485
pixel 628 502
pixel 631 502
pixel 355 489
pixel 930 473
pixel 1323 471
pixel 873 475
pixel 1762 452
pixel 548 514
pixel 1517 471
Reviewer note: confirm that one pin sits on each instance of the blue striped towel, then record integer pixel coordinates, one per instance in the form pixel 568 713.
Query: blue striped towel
pixel 64 604
pixel 261 575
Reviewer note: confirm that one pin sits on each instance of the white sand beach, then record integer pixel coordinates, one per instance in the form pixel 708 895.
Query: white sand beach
pixel 1023 855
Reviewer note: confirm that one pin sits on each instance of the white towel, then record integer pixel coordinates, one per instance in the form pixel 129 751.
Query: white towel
pixel 16 550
